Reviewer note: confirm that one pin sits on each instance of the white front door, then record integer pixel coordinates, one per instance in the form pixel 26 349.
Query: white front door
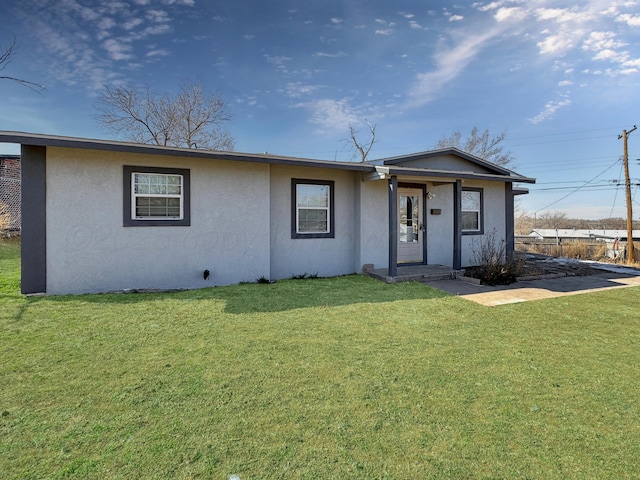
pixel 410 228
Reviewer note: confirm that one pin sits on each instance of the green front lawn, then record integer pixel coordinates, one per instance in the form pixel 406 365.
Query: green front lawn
pixel 329 378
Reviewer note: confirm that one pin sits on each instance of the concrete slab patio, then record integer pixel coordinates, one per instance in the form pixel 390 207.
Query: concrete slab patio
pixel 540 289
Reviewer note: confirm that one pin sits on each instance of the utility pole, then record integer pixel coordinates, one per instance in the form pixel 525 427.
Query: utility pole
pixel 627 184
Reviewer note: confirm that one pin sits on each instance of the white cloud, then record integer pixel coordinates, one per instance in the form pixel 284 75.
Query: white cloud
pixel 332 116
pixel 450 62
pixel 158 16
pixel 597 41
pixel 631 20
pixel 132 23
pixel 565 83
pixel 188 3
pixel 117 50
pixel 510 13
pixel 549 110
pixel 331 55
pixel 154 30
pixel 278 61
pixel 106 23
pixel 159 52
pixel 556 44
pixel 495 5
pixel 299 90
pixel 456 18
pixel 384 31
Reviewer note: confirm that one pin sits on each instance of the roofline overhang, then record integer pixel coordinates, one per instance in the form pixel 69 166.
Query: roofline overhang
pixel 383 171
pixel 43 140
pixel 370 171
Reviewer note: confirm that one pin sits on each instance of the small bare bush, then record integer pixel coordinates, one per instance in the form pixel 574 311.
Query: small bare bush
pixel 492 264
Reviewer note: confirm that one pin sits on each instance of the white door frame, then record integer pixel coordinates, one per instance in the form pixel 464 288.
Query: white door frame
pixel 411 226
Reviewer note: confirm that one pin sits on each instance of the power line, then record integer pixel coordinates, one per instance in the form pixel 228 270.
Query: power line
pixel 579 188
pixel 616 195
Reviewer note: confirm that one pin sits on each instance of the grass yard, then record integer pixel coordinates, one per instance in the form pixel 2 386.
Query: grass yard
pixel 329 378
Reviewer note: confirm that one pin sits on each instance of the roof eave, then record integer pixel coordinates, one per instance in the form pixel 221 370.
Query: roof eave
pixel 424 172
pixel 125 147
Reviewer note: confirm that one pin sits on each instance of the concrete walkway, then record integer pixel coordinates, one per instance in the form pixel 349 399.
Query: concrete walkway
pixel 539 289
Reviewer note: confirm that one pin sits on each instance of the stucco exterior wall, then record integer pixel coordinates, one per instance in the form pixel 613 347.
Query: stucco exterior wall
pixel 322 256
pixel 89 249
pixel 374 224
pixel 494 219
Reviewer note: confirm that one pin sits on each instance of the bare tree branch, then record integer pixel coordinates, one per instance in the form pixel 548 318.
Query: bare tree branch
pixel 362 148
pixel 192 118
pixel 481 145
pixel 5 59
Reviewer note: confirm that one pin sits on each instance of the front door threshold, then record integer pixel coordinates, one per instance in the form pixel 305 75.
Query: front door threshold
pixel 412 273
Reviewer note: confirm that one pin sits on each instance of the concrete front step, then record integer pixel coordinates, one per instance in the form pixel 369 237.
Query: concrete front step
pixel 413 273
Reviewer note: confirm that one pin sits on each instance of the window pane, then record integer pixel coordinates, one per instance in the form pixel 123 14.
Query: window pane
pixel 470 221
pixel 471 201
pixel 157 207
pixel 313 195
pixel 312 221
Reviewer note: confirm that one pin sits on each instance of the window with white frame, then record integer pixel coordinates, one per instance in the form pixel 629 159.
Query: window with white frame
pixel 156 196
pixel 312 209
pixel 472 210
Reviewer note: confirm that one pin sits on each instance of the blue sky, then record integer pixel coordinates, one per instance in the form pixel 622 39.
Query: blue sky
pixel 561 78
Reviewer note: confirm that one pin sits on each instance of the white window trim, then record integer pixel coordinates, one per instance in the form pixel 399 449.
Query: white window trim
pixel 326 209
pixel 135 195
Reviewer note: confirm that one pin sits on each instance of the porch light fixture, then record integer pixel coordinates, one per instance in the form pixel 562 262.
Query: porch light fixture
pixel 431 196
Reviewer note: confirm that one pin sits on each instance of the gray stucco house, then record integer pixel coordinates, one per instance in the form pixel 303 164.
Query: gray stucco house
pixel 101 215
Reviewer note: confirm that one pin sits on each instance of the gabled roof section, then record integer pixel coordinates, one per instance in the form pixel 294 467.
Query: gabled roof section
pixel 459 164
pixel 44 140
pixel 431 154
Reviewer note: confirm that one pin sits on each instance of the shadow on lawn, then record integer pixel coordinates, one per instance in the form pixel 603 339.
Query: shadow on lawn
pixel 280 296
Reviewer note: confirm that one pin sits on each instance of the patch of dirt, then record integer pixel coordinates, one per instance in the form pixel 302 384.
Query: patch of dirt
pixel 535 265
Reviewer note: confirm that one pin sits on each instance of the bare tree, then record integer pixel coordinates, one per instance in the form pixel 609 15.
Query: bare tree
pixel 552 220
pixel 193 118
pixel 5 59
pixel 481 145
pixel 362 149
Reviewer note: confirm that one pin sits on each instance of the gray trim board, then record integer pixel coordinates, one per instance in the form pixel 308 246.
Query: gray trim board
pixel 127 218
pixel 393 226
pixel 33 262
pixel 481 218
pixel 509 214
pixel 457 225
pixel 294 208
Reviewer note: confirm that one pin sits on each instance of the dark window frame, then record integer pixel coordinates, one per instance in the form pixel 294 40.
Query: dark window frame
pixel 480 230
pixel 129 221
pixel 294 208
